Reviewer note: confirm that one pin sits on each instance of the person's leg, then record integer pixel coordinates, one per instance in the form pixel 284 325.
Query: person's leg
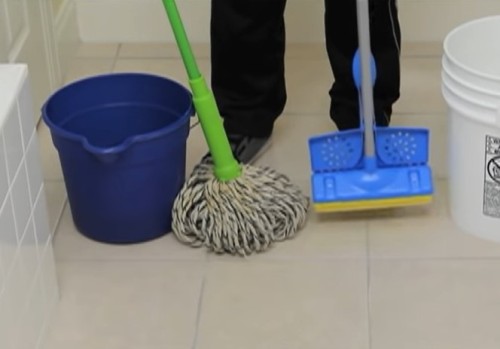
pixel 248 80
pixel 247 51
pixel 342 42
pixel 386 44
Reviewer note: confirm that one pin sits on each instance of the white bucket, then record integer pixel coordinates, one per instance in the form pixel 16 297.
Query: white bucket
pixel 471 88
pixel 472 52
pixel 467 89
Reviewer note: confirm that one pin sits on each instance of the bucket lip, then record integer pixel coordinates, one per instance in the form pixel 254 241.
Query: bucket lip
pixel 449 37
pixel 447 89
pixel 468 99
pixel 460 81
pixel 126 143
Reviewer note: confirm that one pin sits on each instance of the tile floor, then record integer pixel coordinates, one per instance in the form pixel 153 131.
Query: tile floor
pixel 404 278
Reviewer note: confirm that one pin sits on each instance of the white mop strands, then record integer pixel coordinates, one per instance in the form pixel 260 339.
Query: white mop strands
pixel 241 216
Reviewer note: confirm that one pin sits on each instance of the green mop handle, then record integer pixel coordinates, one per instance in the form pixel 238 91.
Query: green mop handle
pixel 226 167
pixel 366 86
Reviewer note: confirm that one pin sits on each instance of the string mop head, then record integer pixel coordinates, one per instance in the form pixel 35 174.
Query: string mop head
pixel 242 216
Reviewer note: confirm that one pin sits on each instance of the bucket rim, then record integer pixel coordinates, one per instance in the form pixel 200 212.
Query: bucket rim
pixel 468 99
pixel 452 33
pixel 126 143
pixel 446 89
pixel 460 81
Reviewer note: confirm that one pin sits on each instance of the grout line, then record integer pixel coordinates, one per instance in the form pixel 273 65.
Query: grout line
pixel 46 326
pixel 119 50
pixel 395 114
pixel 430 55
pixel 59 219
pixel 289 259
pixel 115 58
pixel 158 58
pixel 166 260
pixel 54 180
pixel 278 260
pixel 312 48
pixel 438 259
pixel 198 313
pixel 204 259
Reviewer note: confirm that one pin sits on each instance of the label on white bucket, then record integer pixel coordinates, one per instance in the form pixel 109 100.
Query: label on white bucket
pixel 491 198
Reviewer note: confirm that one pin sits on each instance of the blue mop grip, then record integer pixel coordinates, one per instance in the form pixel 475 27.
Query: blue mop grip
pixel 356 70
pixel 357 76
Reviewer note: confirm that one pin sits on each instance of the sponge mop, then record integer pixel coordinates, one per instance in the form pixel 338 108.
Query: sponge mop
pixel 370 167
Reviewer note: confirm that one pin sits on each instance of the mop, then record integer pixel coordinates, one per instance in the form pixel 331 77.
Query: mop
pixel 370 167
pixel 226 206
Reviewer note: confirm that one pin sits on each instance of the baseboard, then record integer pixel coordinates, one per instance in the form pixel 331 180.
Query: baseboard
pixel 145 20
pixel 67 34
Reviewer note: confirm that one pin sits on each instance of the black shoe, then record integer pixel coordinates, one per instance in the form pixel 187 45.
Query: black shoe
pixel 383 119
pixel 246 149
pixel 347 118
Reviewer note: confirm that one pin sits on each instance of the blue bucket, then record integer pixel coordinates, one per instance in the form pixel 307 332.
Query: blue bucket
pixel 121 140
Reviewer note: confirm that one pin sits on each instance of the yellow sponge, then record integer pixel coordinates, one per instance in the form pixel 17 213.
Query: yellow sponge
pixel 361 205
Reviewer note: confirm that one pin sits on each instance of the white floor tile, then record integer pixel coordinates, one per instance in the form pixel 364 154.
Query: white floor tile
pixel 160 50
pixel 86 67
pixel 55 192
pixel 306 50
pixel 171 68
pixel 70 245
pixel 324 237
pixel 434 304
pixel 51 165
pixel 421 49
pixel 122 305
pixel 308 82
pixel 291 305
pixel 426 232
pixel 97 50
pixel 420 86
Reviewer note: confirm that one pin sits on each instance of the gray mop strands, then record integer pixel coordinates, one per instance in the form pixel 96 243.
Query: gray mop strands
pixel 242 216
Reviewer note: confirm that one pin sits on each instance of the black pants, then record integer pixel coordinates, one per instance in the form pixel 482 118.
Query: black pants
pixel 248 47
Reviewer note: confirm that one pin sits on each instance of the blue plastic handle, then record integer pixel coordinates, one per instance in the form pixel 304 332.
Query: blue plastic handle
pixel 356 69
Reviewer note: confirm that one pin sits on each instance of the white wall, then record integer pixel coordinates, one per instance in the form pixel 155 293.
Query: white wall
pixel 57 5
pixel 145 20
pixel 28 285
pixel 67 36
pixel 42 34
